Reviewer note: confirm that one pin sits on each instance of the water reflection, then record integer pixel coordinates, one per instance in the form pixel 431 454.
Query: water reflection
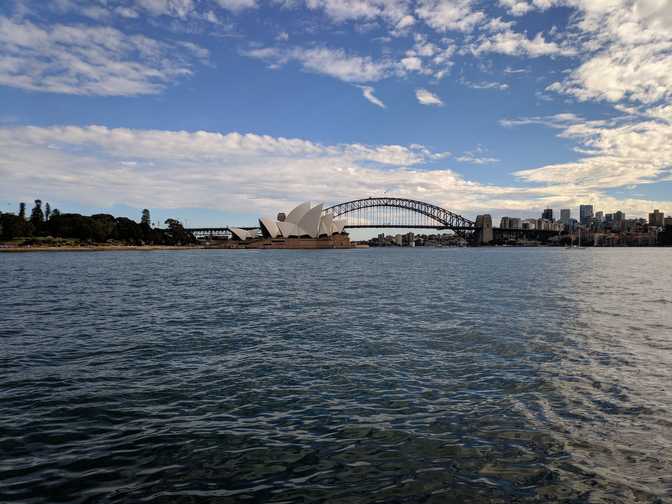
pixel 393 375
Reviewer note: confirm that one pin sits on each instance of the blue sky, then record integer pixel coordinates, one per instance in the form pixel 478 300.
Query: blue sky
pixel 218 111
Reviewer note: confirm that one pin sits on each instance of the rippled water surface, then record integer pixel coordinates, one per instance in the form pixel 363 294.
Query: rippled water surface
pixel 395 375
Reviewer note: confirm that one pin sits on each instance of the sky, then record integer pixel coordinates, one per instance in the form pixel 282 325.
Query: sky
pixel 217 112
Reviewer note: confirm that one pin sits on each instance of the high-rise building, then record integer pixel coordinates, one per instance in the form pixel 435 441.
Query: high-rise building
pixel 565 215
pixel 586 214
pixel 599 216
pixel 667 221
pixel 656 218
pixel 515 223
pixel 619 216
pixel 505 223
pixel 547 214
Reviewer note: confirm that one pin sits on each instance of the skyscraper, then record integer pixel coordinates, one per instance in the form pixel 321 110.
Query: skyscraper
pixel 586 214
pixel 547 214
pixel 657 218
pixel 565 215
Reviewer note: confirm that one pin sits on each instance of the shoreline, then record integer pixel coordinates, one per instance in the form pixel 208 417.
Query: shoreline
pixel 100 248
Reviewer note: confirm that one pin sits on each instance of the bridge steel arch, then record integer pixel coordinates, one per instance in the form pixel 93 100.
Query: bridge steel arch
pixel 443 218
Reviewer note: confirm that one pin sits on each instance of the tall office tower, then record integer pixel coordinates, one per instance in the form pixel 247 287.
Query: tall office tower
pixel 548 214
pixel 586 214
pixel 505 223
pixel 599 216
pixel 565 215
pixel 657 218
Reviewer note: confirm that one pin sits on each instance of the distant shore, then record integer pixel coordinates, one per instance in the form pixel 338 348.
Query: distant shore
pixel 99 248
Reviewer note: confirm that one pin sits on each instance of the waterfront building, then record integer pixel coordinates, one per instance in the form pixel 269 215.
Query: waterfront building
pixel 667 221
pixel 547 214
pixel 306 226
pixel 529 224
pixel 565 215
pixel 656 218
pixel 505 223
pixel 398 240
pixel 586 214
pixel 515 223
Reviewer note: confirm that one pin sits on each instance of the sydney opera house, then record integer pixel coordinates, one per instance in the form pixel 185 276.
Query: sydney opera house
pixel 305 226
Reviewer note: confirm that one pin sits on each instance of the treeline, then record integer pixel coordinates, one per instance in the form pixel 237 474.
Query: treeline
pixel 98 228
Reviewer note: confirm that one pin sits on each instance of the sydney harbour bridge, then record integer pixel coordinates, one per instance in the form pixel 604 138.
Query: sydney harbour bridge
pixel 398 213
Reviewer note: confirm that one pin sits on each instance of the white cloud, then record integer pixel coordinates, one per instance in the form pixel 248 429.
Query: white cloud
pixel 99 166
pixel 449 15
pixel 176 8
pixel 427 98
pixel 412 63
pixel 237 5
pixel 516 7
pixel 80 59
pixel 642 74
pixel 367 91
pixel 554 121
pixel 521 7
pixel 478 156
pixel 333 62
pixel 628 48
pixel 259 174
pixel 391 11
pixel 517 44
pixel 500 86
pixel 618 153
pixel 404 23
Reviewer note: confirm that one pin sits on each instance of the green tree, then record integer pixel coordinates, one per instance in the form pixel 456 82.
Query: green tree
pixel 14 226
pixel 55 212
pixel 128 230
pixel 37 216
pixel 145 220
pixel 47 211
pixel 177 235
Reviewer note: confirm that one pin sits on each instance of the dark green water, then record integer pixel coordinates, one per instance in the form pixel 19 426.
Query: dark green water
pixel 436 375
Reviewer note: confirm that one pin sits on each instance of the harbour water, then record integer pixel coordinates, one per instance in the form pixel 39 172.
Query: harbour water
pixel 389 375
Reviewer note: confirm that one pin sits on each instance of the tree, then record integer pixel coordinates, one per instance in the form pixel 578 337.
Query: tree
pixel 22 210
pixel 145 220
pixel 37 216
pixel 128 230
pixel 14 226
pixel 47 212
pixel 177 233
pixel 55 212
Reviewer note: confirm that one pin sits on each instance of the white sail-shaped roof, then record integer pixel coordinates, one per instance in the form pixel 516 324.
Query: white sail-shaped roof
pixel 241 234
pixel 288 229
pixel 310 223
pixel 338 226
pixel 326 221
pixel 270 227
pixel 297 214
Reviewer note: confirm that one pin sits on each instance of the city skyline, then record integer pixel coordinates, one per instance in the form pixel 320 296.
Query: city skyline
pixel 213 111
